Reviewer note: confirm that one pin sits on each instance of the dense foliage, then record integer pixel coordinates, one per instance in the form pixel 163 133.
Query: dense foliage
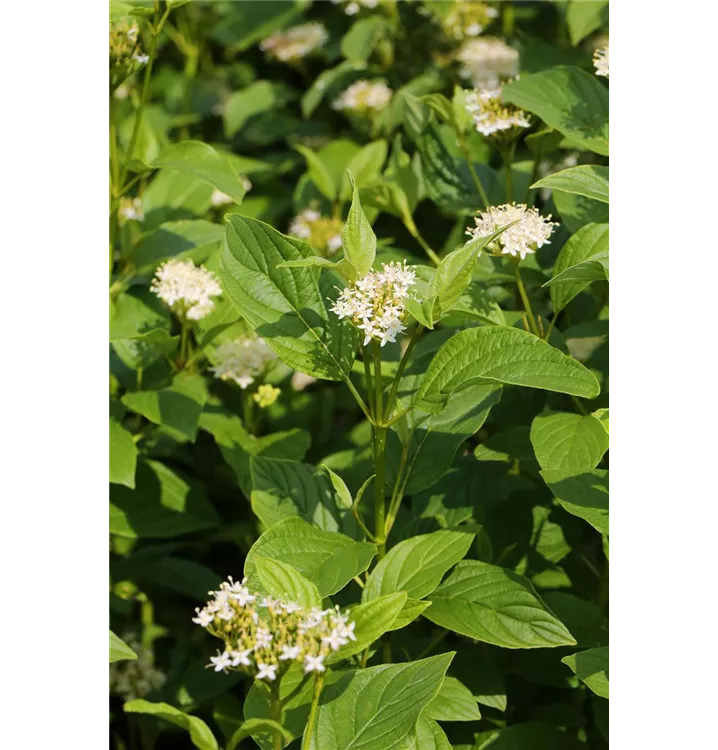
pixel 358 375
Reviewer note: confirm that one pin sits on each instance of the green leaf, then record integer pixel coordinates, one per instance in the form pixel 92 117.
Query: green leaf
pixel 568 443
pixel 569 100
pixel 588 180
pixel 195 240
pixel 283 581
pixel 602 416
pixel 588 246
pixel 495 605
pixel 591 667
pixel 377 708
pixel 372 619
pixel 119 650
pixel 358 238
pixel 177 407
pixel 253 726
pixel 319 173
pixel 361 39
pixel 584 495
pixel 583 18
pixel 417 565
pixel 162 505
pixel 123 455
pixel 199 732
pixel 409 612
pixel 365 166
pixel 281 489
pixel 258 97
pixel 202 161
pixel 288 308
pixel 453 275
pixel 429 735
pixel 453 703
pixel 503 355
pixel 387 197
pixel 330 560
pixel 441 105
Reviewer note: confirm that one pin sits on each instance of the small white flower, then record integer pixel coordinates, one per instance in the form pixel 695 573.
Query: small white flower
pixel 314 664
pixel 262 638
pixel 290 607
pixel 242 360
pixel 290 652
pixel 241 658
pixel 141 59
pixel 226 613
pixel 131 209
pixel 268 671
pixel 600 61
pixel 204 618
pixel 334 640
pixel 221 662
pixel 346 631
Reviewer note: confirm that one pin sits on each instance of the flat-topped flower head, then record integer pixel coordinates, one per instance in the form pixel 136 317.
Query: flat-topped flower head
pixel 364 97
pixel 353 7
pixel 242 360
pixel 186 289
pixel 529 233
pixel 486 61
pixel 295 43
pixel 375 304
pixel 324 234
pixel 491 116
pixel 467 19
pixel 263 636
pixel 600 61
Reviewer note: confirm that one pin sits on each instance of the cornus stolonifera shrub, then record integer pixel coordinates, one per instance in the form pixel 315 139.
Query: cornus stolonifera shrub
pixel 359 375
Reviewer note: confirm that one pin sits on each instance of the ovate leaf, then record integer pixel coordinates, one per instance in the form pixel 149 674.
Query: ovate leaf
pixel 288 307
pixel 283 581
pixel 119 650
pixel 497 606
pixel 319 173
pixel 358 238
pixel 569 100
pixel 569 443
pixel 377 708
pixel 453 703
pixel 588 180
pixel 123 455
pixel 584 495
pixel 417 565
pixel 504 355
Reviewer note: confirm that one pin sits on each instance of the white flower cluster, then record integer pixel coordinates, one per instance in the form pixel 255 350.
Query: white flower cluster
pixel 531 232
pixel 375 304
pixel 353 7
pixel 322 233
pixel 491 115
pixel 487 60
pixel 131 209
pixel 265 637
pixel 296 42
pixel 242 360
pixel 186 289
pixel 364 97
pixel 135 678
pixel 468 19
pixel 600 61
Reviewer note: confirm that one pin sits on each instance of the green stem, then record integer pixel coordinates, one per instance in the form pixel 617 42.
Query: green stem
pixel 398 489
pixel 400 371
pixel 414 232
pixel 367 376
pixel 275 708
pixel 530 195
pixel 379 454
pixel 525 299
pixel 474 174
pixel 184 342
pixel 318 684
pixel 358 398
pixel 156 30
